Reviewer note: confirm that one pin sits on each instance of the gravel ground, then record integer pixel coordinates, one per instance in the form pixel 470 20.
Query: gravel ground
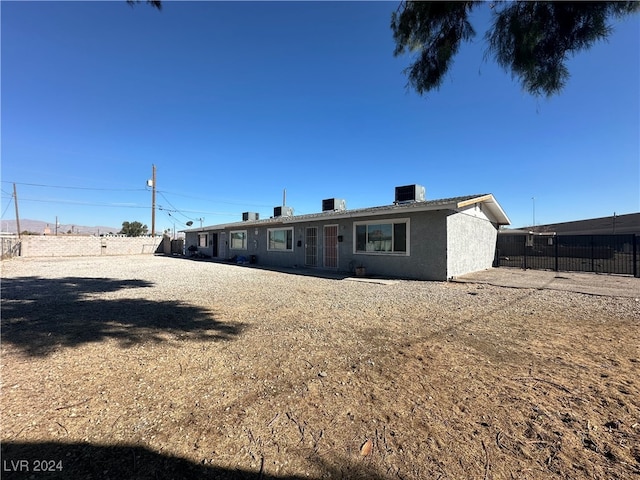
pixel 155 367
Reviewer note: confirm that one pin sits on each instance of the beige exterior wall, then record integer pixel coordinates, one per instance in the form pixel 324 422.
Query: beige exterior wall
pixel 71 246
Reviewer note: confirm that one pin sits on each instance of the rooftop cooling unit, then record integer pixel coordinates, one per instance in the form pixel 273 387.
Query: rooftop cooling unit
pixel 282 212
pixel 250 216
pixel 410 193
pixel 333 204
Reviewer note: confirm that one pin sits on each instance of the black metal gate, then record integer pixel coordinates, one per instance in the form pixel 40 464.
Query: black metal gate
pixel 581 253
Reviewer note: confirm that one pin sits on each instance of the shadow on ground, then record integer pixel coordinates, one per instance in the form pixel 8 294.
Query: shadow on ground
pixel 304 271
pixel 41 315
pixel 86 461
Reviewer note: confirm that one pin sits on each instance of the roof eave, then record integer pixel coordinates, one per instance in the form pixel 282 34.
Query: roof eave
pixel 494 208
pixel 492 205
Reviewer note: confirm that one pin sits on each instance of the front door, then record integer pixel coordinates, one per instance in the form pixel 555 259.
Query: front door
pixel 214 245
pixel 222 245
pixel 311 247
pixel 330 256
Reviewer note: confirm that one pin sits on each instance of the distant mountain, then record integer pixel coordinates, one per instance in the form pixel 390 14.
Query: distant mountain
pixel 49 228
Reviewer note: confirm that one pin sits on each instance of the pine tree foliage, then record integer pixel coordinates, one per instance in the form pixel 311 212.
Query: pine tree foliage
pixel 154 3
pixel 532 40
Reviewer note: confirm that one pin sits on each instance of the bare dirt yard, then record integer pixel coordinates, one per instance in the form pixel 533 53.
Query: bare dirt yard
pixel 155 368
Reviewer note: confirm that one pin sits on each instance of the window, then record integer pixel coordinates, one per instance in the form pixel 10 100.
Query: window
pixel 389 236
pixel 280 239
pixel 239 240
pixel 202 239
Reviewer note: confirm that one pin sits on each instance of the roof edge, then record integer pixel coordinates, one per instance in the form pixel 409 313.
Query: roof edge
pixel 430 205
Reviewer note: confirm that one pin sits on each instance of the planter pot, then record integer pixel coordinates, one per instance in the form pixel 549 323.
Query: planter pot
pixel 361 271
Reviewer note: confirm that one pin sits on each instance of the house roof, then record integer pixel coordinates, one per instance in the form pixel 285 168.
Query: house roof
pixel 493 210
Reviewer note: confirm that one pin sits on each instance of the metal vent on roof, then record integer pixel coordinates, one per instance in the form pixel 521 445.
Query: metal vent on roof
pixel 282 212
pixel 333 204
pixel 410 193
pixel 250 216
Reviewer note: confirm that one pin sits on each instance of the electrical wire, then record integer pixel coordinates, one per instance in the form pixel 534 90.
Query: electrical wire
pixel 73 187
pixel 78 188
pixel 172 219
pixel 173 209
pixel 214 201
pixel 173 206
pixel 88 204
pixel 5 210
pixel 200 212
pixel 176 210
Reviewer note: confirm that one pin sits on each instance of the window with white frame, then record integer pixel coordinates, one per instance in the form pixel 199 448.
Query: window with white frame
pixel 202 239
pixel 382 236
pixel 239 240
pixel 280 239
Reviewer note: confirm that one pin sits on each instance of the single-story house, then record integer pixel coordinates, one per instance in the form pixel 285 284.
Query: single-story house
pixel 412 238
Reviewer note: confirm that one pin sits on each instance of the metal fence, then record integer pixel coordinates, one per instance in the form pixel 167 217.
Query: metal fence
pixel 581 253
pixel 10 247
pixel 177 246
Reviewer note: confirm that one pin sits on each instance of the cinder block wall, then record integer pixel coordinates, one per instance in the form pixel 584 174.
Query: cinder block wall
pixel 69 246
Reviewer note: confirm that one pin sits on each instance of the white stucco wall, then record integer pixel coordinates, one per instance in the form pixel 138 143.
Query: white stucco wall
pixel 471 242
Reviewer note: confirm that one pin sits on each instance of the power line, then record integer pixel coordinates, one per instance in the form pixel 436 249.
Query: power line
pixel 176 210
pixel 88 204
pixel 215 201
pixel 79 188
pixel 5 210
pixel 199 212
pixel 173 206
pixel 161 192
pixel 73 187
pixel 117 205
pixel 172 219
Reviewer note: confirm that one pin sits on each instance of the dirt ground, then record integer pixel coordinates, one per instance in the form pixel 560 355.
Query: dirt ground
pixel 578 282
pixel 154 368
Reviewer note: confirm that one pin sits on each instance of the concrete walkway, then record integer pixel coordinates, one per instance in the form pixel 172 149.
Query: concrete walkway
pixel 590 283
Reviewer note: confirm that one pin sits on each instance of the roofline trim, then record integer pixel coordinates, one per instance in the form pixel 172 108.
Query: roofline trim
pixel 500 217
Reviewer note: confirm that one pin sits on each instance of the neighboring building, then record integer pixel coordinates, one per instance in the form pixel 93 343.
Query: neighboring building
pixel 613 225
pixel 601 245
pixel 412 238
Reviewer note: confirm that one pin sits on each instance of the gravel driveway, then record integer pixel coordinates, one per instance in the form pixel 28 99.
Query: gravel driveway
pixel 156 367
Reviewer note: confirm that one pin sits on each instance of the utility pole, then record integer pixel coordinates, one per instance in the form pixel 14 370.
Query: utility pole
pixel 153 201
pixel 15 199
pixel 534 211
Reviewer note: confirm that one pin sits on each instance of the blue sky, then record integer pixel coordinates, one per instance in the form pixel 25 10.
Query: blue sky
pixel 234 102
